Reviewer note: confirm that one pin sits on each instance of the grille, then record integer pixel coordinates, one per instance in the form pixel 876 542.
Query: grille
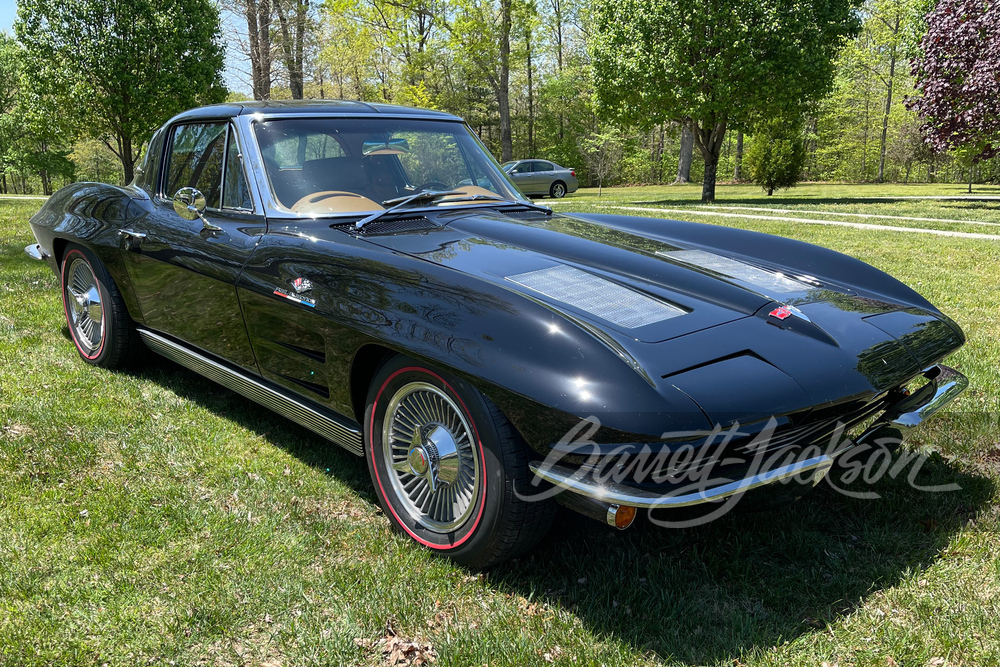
pixel 597 296
pixel 740 453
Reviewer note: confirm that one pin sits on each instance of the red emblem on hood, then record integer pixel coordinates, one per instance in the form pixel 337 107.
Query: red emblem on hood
pixel 781 312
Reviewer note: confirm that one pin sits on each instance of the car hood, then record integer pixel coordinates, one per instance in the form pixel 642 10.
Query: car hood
pixel 835 341
pixel 541 256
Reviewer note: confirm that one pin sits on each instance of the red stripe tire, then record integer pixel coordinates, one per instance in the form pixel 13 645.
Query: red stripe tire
pixel 445 462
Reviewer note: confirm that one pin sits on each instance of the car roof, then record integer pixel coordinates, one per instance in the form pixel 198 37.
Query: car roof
pixel 309 107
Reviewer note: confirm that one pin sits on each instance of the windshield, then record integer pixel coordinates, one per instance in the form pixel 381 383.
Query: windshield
pixel 352 165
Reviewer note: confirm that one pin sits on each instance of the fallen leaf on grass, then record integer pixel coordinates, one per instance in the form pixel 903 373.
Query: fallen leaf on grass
pixel 552 655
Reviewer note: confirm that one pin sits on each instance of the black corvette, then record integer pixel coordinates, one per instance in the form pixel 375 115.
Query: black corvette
pixel 369 272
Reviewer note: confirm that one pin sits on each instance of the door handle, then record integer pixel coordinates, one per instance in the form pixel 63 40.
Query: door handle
pixel 132 239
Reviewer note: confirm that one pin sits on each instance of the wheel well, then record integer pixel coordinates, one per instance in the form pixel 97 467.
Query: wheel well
pixel 554 183
pixel 363 368
pixel 58 248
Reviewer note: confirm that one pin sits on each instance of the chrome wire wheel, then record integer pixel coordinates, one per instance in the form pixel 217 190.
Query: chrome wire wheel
pixel 431 455
pixel 84 307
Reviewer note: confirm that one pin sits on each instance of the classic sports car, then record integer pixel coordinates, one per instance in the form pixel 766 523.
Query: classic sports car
pixel 369 272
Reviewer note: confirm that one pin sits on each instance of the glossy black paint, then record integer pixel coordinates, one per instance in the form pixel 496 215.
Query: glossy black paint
pixel 438 293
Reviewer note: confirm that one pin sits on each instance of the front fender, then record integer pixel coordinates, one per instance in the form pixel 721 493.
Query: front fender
pixel 545 371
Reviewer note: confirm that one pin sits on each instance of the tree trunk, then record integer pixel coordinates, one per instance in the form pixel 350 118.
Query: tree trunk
pixel 292 43
pixel 503 87
pixel 709 138
pixel 531 104
pixel 687 149
pixel 258 16
pixel 885 117
pixel 127 159
pixel 738 169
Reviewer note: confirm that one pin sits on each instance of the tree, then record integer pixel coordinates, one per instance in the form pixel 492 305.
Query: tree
pixel 123 67
pixel 257 14
pixel 715 65
pixel 601 152
pixel 481 37
pixel 958 78
pixel 294 23
pixel 776 155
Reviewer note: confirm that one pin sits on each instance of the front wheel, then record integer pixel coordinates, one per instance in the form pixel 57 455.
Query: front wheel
pixel 445 463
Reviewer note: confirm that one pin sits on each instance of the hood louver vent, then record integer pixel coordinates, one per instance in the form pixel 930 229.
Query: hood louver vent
pixel 770 281
pixel 610 301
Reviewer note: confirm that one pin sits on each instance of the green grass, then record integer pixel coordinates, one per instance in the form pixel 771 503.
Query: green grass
pixel 151 516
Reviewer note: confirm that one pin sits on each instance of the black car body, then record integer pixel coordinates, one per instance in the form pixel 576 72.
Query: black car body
pixel 523 321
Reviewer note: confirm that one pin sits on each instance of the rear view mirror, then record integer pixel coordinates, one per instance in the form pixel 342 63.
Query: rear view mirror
pixel 392 147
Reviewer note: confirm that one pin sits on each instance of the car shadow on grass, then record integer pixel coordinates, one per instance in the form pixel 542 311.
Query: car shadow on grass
pixel 747 581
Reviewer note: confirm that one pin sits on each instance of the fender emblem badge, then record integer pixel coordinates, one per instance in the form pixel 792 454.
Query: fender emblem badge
pixel 301 285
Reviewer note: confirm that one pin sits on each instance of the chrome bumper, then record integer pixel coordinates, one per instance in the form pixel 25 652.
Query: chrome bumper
pixel 945 384
pixel 35 251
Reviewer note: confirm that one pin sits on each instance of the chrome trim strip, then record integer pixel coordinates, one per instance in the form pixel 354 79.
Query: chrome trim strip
pixel 35 251
pixel 619 494
pixel 326 425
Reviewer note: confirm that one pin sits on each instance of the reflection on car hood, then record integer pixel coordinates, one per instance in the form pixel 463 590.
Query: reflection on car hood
pixel 589 271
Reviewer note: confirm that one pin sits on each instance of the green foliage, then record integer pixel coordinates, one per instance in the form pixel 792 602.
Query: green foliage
pixel 712 65
pixel 776 155
pixel 120 68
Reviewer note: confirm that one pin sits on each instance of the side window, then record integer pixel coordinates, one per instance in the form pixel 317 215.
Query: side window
pixel 542 166
pixel 234 191
pixel 196 159
pixel 522 168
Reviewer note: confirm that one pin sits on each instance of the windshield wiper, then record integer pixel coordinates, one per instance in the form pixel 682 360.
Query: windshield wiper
pixel 537 207
pixel 402 202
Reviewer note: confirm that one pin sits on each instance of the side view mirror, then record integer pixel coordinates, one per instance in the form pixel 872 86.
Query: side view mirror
pixel 190 203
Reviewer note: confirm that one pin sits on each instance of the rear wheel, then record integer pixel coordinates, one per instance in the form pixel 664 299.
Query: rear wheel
pixel 98 319
pixel 445 463
pixel 558 190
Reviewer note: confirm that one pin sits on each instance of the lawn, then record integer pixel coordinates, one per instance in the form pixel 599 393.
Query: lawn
pixel 152 517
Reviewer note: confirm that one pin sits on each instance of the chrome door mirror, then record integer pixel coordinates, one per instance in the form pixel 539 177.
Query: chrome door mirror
pixel 190 203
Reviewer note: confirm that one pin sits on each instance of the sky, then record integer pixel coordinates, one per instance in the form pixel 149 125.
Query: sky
pixel 232 27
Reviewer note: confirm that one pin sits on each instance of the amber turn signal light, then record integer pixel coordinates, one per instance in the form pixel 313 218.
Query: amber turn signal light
pixel 621 516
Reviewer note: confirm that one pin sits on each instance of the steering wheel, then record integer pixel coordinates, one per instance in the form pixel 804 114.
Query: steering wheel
pixel 428 185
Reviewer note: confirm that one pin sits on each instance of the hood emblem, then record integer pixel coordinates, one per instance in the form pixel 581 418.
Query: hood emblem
pixel 784 312
pixel 301 285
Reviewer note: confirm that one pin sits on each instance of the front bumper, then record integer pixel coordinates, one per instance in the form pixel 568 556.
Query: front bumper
pixel 896 423
pixel 35 251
